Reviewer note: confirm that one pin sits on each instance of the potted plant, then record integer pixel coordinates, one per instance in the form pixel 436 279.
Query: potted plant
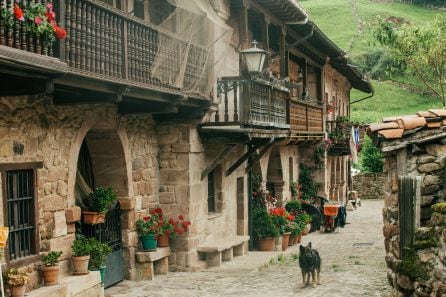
pixel 281 219
pixel 81 249
pixel 264 230
pixel 147 228
pixel 169 228
pixel 100 201
pixel 98 254
pixel 306 219
pixel 50 268
pixel 16 281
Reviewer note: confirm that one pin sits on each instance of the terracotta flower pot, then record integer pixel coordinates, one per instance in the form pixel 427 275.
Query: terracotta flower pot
pixel 80 264
pixel 299 238
pixel 285 240
pixel 17 291
pixel 163 241
pixel 292 240
pixel 266 244
pixel 93 218
pixel 50 275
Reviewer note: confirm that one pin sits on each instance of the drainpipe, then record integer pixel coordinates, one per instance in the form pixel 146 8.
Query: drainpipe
pixel 297 42
pixel 367 97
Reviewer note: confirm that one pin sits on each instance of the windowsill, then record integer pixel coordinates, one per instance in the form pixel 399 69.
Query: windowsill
pixel 214 215
pixel 25 261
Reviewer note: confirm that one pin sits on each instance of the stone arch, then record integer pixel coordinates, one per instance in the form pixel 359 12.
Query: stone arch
pixel 113 135
pixel 274 175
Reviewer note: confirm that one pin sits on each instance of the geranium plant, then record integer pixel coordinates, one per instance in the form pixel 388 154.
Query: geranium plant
pixel 38 18
pixel 157 223
pixel 281 218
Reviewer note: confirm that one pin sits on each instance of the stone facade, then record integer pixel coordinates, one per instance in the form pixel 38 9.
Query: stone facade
pixel 369 185
pixel 421 272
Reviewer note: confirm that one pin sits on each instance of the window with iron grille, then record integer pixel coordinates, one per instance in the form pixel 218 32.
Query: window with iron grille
pixel 211 191
pixel 20 213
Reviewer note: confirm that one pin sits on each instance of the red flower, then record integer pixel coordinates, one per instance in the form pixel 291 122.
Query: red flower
pixel 159 210
pixel 18 13
pixel 290 218
pixel 59 32
pixel 180 217
pixel 168 232
pixel 171 221
pixel 153 211
pixel 146 218
pixel 180 231
pixel 51 16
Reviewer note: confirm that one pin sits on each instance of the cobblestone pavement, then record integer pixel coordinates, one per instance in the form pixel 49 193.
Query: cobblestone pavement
pixel 352 265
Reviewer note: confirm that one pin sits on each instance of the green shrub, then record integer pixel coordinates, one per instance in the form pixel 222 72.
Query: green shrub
pixel 370 158
pixel 293 207
pixel 263 225
pixel 308 187
pixel 102 199
pixel 99 252
pixel 81 246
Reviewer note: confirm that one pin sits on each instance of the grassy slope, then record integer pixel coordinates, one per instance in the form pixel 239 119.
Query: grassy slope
pixel 336 19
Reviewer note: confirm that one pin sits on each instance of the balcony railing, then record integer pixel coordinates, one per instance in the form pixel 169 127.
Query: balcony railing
pixel 109 44
pixel 339 133
pixel 306 118
pixel 252 103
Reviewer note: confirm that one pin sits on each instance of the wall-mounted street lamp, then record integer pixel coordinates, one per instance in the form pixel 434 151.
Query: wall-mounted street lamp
pixel 254 58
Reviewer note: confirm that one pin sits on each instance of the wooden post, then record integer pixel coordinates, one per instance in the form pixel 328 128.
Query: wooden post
pixel 283 54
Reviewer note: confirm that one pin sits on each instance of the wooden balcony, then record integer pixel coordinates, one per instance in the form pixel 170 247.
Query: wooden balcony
pixel 339 133
pixel 107 45
pixel 306 121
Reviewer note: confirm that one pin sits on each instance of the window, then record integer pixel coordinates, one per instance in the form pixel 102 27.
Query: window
pixel 211 191
pixel 20 209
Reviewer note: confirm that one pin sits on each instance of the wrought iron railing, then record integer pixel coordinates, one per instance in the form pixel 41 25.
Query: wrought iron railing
pixel 252 103
pixel 108 43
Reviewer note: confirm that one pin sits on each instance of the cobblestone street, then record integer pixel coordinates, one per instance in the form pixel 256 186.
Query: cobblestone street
pixel 352 265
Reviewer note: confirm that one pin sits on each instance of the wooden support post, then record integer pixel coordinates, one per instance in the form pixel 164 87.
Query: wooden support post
pixel 217 160
pixel 242 159
pixel 260 155
pixel 283 54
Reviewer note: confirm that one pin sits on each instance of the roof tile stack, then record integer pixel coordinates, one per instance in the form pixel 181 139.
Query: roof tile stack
pixel 396 127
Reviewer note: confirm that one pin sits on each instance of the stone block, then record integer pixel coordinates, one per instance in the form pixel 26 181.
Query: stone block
pixel 170 138
pixel 71 228
pixel 129 257
pixel 6 148
pixel 239 250
pixel 430 179
pixel 153 256
pixel 62 188
pixel 436 149
pixel 167 198
pixel 429 167
pixel 161 266
pixel 56 173
pixel 227 255
pixel 422 159
pixel 144 271
pixel 426 213
pixel 390 230
pixel 138 202
pixel 60 224
pixel 429 189
pixel 53 202
pixel 128 220
pixel 404 282
pixel 73 214
pixel 130 274
pixel 213 259
pixel 63 244
pixel 426 200
pixel 181 148
pixel 130 239
pixel 174 177
pixel 127 204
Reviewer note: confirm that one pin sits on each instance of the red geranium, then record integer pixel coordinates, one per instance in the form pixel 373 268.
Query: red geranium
pixel 59 32
pixel 18 13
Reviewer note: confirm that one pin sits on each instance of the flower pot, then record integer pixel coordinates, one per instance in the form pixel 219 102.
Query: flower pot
pixel 102 272
pixel 285 240
pixel 299 238
pixel 292 240
pixel 50 275
pixel 148 242
pixel 93 218
pixel 163 241
pixel 266 244
pixel 306 229
pixel 17 291
pixel 80 265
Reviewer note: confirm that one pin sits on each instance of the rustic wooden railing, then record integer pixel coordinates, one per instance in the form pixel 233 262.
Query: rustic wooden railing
pixel 339 133
pixel 105 42
pixel 305 117
pixel 252 103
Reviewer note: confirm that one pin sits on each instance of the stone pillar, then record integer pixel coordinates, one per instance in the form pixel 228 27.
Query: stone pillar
pixel 129 236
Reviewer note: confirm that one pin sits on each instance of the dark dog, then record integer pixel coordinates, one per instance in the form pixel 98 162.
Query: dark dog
pixel 310 262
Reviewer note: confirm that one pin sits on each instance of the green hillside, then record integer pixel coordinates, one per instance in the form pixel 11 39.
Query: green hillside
pixel 344 21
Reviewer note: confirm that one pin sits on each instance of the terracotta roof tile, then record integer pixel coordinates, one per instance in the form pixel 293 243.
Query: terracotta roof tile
pixel 397 126
pixel 391 133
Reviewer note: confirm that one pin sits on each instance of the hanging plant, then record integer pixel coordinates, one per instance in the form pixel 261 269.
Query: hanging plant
pixel 38 18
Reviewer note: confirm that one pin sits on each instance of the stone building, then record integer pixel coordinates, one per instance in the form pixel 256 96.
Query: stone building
pixel 414 229
pixel 166 116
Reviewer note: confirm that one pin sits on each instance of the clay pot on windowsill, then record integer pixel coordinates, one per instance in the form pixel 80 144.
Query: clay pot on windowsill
pixel 50 275
pixel 93 218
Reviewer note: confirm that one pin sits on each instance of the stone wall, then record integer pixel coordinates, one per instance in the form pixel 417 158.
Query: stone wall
pixel 421 272
pixel 369 185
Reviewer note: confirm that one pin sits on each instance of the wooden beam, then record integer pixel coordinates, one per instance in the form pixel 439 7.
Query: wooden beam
pixel 243 158
pixel 260 155
pixel 217 160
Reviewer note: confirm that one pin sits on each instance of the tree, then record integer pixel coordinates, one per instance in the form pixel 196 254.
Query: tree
pixel 370 158
pixel 422 49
